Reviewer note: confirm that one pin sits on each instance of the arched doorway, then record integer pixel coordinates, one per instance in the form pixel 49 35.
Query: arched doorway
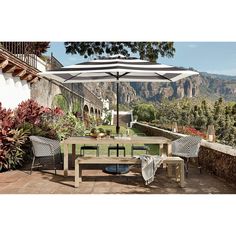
pixel 86 116
pixel 91 111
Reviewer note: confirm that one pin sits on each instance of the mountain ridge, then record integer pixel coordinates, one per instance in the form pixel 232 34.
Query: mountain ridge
pixel 205 84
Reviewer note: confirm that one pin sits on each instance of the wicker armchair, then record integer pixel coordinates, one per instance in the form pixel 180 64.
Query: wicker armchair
pixel 43 147
pixel 186 148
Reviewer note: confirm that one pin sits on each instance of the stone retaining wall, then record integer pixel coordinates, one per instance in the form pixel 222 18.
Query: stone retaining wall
pixel 216 158
pixel 45 90
pixel 154 131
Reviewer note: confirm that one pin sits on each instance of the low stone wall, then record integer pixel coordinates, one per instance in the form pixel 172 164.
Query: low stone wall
pixel 219 160
pixel 216 158
pixel 154 131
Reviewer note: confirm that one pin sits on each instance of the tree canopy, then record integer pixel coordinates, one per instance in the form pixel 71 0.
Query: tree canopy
pixel 145 50
pixel 195 113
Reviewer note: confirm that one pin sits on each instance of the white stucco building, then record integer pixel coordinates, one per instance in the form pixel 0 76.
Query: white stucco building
pixel 13 89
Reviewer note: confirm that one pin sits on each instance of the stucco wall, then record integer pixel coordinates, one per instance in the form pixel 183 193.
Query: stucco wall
pixel 45 90
pixel 216 158
pixel 13 90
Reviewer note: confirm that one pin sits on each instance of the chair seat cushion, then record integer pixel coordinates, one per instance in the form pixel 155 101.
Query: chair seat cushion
pixel 90 147
pixel 115 147
pixel 139 147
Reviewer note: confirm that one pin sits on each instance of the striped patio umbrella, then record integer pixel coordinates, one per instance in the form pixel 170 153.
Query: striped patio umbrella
pixel 118 68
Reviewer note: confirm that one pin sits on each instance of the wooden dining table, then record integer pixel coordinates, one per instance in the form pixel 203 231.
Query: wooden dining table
pixel 165 147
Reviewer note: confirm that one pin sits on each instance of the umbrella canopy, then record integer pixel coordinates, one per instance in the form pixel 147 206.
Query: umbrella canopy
pixel 118 68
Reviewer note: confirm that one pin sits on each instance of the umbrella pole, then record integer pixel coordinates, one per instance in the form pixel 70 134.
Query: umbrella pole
pixel 117 112
pixel 117 169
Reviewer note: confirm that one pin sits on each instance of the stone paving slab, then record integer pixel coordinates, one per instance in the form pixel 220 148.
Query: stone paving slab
pixel 98 182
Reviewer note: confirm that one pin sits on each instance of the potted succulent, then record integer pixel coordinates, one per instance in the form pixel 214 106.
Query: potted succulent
pixel 97 133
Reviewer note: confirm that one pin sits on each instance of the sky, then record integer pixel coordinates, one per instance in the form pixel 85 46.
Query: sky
pixel 212 57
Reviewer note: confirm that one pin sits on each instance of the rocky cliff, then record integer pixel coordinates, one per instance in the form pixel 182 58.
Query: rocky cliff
pixel 206 85
pixel 108 90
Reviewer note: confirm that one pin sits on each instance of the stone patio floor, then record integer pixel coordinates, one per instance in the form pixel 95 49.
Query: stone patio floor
pixel 98 182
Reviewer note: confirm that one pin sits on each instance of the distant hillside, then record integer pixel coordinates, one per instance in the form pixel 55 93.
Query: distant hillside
pixel 205 84
pixel 219 76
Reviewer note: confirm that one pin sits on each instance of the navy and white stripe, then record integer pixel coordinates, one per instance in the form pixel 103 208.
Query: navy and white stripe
pixel 118 67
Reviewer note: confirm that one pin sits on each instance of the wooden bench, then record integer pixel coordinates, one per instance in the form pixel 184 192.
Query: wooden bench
pixel 174 164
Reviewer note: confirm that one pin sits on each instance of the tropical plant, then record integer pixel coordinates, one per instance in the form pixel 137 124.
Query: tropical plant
pixel 99 121
pixel 107 118
pixel 7 120
pixel 61 102
pixel 76 107
pixel 15 152
pixel 15 127
pixel 11 152
pixel 68 125
pixel 28 111
pixel 92 121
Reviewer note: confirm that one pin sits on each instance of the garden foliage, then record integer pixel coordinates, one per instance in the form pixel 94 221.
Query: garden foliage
pixel 193 116
pixel 29 118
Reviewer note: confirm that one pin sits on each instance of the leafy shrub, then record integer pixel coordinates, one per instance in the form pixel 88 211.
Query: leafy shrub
pixel 61 102
pixel 99 121
pixel 12 148
pixel 15 128
pixel 76 107
pixel 29 111
pixel 145 112
pixel 68 125
pixel 7 120
pixel 11 140
pixel 108 118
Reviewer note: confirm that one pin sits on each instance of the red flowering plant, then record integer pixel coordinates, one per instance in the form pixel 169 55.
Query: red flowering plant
pixel 28 111
pixel 49 118
pixel 16 126
pixel 11 140
pixel 49 113
pixel 30 115
pixel 193 131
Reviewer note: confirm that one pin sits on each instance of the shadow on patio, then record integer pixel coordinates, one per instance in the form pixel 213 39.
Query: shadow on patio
pixel 98 182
